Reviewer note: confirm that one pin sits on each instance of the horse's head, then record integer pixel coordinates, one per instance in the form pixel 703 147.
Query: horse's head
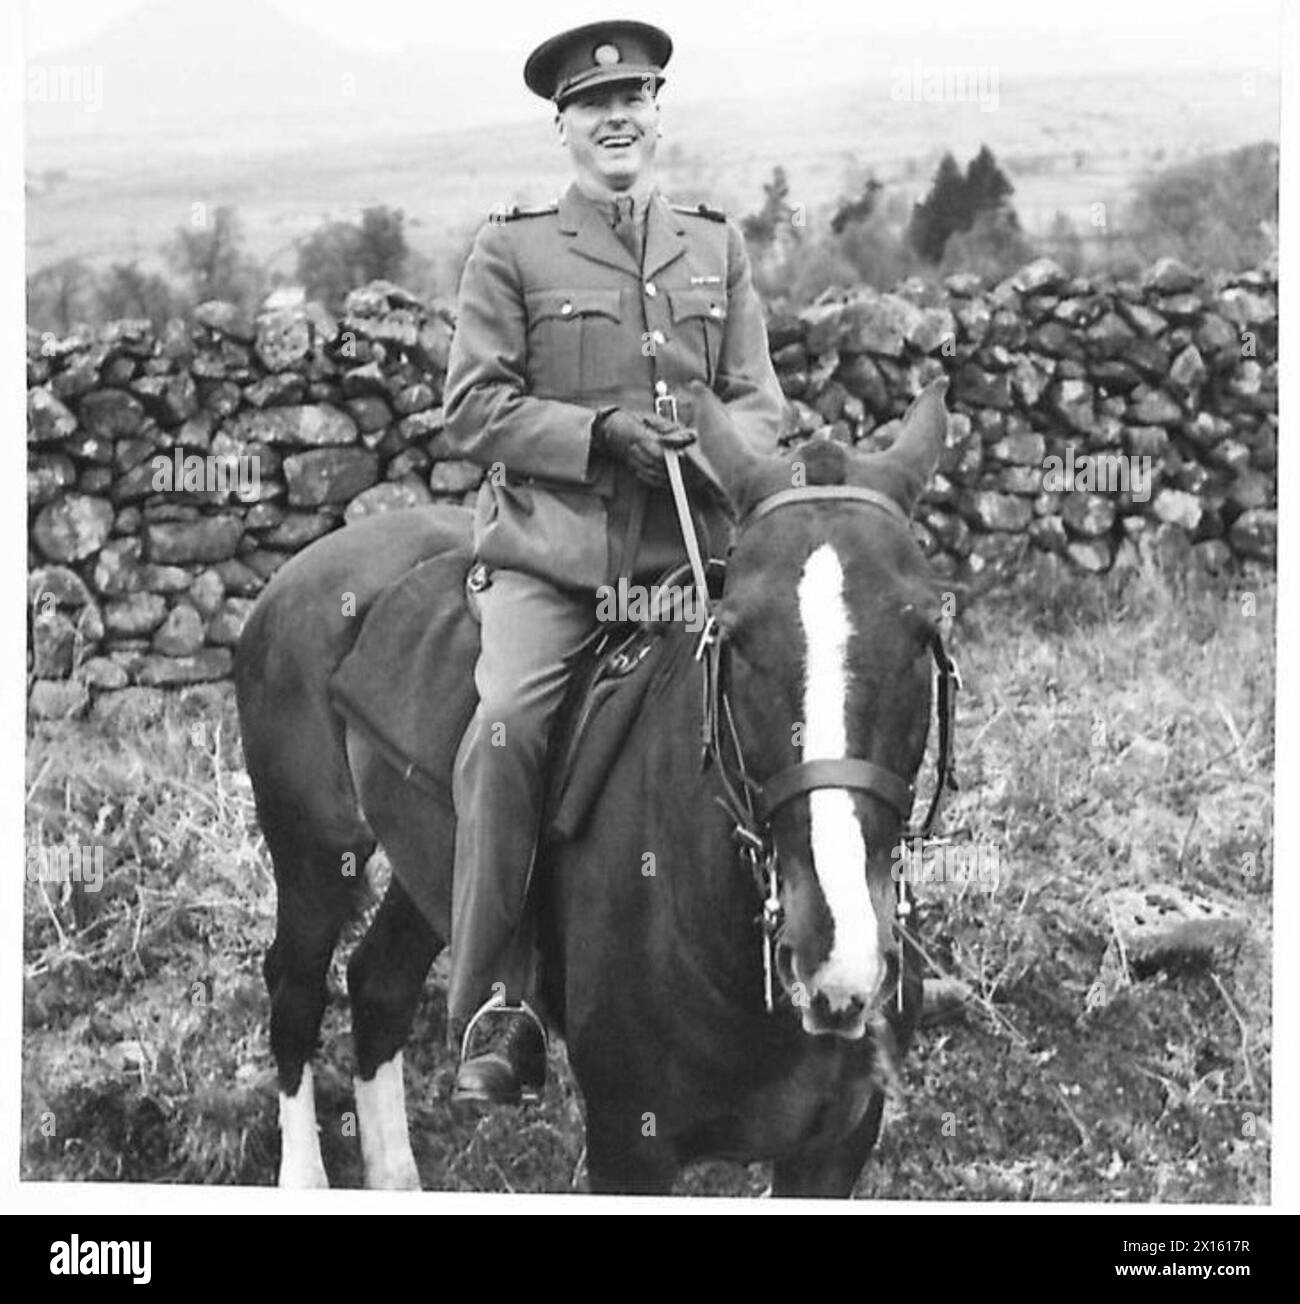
pixel 829 612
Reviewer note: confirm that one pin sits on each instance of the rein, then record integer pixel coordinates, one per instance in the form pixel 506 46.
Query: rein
pixel 752 805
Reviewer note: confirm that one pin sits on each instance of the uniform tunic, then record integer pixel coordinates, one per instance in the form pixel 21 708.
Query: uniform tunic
pixel 555 321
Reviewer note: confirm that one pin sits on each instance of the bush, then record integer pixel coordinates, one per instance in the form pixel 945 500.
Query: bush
pixel 878 252
pixel 340 256
pixel 1215 212
pixel 816 268
pixel 62 294
pixel 993 248
pixel 127 291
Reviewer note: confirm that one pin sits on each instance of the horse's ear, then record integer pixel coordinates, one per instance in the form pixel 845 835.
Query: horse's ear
pixel 745 474
pixel 904 469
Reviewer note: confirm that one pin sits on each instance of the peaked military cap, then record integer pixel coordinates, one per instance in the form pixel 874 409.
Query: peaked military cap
pixel 597 54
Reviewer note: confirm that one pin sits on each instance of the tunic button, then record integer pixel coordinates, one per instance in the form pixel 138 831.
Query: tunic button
pixel 661 387
pixel 659 337
pixel 566 308
pixel 650 289
pixel 715 310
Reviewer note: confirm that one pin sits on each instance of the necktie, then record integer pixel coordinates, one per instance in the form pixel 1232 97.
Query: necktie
pixel 625 226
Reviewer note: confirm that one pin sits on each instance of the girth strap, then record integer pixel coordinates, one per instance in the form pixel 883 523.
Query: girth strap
pixel 837 772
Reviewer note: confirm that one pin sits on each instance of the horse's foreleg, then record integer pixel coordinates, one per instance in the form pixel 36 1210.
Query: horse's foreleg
pixel 624 1154
pixel 385 1136
pixel 834 1172
pixel 301 1165
pixel 385 978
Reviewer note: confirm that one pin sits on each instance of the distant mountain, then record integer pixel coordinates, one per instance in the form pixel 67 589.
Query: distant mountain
pixel 243 71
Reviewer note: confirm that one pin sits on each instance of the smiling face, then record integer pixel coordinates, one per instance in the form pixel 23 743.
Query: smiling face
pixel 611 134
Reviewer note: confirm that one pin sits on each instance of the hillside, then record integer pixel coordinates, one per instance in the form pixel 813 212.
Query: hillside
pixel 244 106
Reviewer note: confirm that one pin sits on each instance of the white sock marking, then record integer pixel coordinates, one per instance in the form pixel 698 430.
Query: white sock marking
pixel 385 1137
pixel 854 966
pixel 301 1166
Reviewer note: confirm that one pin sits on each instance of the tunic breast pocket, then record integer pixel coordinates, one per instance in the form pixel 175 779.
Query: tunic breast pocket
pixel 699 320
pixel 575 340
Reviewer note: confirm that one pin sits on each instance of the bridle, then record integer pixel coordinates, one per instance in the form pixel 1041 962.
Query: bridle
pixel 751 805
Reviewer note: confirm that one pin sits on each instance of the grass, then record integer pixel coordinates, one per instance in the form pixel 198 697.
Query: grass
pixel 1112 732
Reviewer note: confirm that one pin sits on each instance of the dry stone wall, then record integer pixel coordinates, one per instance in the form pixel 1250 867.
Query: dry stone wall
pixel 170 474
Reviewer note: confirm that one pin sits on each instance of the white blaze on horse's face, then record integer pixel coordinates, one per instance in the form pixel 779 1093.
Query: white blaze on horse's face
pixel 855 968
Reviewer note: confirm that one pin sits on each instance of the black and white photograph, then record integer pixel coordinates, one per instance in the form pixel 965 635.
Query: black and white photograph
pixel 649 601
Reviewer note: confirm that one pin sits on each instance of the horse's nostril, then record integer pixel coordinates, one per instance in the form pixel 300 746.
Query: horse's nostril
pixel 832 1017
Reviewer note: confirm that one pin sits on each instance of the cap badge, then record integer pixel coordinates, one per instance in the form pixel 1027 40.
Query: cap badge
pixel 606 55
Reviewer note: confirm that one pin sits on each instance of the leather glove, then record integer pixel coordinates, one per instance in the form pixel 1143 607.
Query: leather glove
pixel 638 441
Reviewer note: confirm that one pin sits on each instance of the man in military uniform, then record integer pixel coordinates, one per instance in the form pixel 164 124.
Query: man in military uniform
pixel 573 320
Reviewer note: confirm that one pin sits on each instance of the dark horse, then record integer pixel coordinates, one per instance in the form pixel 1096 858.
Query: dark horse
pixel 653 959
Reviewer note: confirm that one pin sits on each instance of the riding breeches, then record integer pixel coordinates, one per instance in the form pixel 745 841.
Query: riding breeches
pixel 531 633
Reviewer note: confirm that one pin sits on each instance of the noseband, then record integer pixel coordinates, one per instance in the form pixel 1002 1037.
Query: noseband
pixel 752 805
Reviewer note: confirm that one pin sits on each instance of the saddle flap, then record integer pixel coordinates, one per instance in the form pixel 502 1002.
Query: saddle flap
pixel 409 680
pixel 601 707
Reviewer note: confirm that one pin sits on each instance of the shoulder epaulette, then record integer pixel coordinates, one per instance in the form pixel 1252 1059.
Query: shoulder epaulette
pixel 503 214
pixel 701 210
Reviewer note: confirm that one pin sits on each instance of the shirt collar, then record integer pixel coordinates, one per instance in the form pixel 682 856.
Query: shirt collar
pixel 608 210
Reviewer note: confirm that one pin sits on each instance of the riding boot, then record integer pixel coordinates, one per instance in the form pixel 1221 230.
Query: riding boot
pixel 513 1070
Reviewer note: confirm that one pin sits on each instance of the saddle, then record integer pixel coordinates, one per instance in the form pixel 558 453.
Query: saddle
pixel 408 686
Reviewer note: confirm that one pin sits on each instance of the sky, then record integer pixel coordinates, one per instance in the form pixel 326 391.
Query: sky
pixel 746 45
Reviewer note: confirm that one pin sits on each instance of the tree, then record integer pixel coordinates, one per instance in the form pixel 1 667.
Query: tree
pixel 339 256
pixel 856 210
pixel 60 295
pixel 761 228
pixel 327 263
pixel 956 201
pixel 127 291
pixel 987 186
pixel 382 253
pixel 210 259
pixel 940 213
